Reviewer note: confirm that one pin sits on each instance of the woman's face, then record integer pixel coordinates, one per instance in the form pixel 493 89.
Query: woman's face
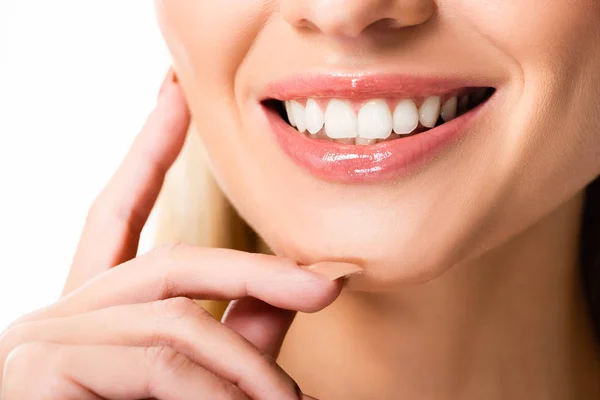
pixel 411 206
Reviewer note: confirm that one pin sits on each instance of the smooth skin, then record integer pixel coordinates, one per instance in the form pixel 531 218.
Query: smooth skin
pixel 131 331
pixel 471 288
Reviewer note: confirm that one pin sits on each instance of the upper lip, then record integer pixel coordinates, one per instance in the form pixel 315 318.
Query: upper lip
pixel 365 85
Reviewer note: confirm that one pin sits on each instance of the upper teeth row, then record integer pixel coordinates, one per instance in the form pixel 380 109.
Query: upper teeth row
pixel 375 120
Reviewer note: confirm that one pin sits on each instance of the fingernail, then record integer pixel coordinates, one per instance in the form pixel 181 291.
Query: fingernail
pixel 302 396
pixel 334 270
pixel 299 392
pixel 169 79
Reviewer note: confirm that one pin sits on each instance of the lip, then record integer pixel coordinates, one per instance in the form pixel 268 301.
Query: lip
pixel 389 160
pixel 365 86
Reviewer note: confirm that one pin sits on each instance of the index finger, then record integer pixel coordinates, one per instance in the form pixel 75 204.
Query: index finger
pixel 115 220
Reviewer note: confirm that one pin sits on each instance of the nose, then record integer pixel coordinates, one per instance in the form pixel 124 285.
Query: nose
pixel 351 18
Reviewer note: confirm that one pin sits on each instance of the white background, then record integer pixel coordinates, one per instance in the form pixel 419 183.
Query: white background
pixel 77 80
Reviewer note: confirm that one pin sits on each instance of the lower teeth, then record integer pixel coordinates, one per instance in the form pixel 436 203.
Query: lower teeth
pixel 321 135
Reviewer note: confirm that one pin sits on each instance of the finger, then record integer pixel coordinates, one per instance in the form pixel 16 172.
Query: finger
pixel 178 323
pixel 208 273
pixel 115 220
pixel 69 372
pixel 260 323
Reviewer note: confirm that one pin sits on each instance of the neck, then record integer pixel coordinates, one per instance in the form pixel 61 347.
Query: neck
pixel 510 324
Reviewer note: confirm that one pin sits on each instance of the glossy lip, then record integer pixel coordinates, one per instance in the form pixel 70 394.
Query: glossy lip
pixel 364 86
pixel 342 163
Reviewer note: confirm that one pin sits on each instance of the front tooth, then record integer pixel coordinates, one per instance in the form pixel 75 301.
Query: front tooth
pixel 299 115
pixel 375 120
pixel 406 117
pixel 340 121
pixel 430 111
pixel 290 114
pixel 314 117
pixel 449 109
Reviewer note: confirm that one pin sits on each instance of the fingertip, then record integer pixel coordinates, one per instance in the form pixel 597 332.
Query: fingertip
pixel 171 112
pixel 320 284
pixel 333 271
pixel 171 97
pixel 317 297
pixel 168 81
pixel 171 93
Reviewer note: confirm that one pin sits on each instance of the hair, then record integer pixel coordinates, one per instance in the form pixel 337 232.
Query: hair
pixel 192 209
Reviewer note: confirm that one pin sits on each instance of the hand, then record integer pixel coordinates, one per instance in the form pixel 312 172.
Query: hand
pixel 125 327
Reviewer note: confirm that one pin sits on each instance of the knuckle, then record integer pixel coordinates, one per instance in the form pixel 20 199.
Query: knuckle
pixel 110 207
pixel 167 360
pixel 23 356
pixel 23 360
pixel 97 210
pixel 14 336
pixel 181 308
pixel 166 357
pixel 165 285
pixel 159 261
pixel 33 360
pixel 173 316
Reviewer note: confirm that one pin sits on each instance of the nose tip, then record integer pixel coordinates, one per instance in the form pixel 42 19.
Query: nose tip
pixel 351 18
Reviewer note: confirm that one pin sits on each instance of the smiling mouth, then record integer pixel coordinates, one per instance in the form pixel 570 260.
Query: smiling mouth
pixel 362 128
pixel 370 121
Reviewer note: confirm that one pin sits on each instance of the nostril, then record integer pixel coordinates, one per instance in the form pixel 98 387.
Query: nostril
pixel 350 19
pixel 305 24
pixel 386 24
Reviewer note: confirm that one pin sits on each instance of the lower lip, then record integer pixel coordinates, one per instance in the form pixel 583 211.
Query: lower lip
pixel 389 160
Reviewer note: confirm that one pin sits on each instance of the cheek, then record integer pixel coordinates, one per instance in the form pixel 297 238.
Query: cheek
pixel 531 32
pixel 555 53
pixel 549 137
pixel 209 40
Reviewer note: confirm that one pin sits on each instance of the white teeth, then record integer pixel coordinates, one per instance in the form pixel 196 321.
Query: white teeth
pixel 299 115
pixel 375 120
pixel 340 121
pixel 449 109
pixel 406 117
pixel 430 111
pixel 314 117
pixel 290 115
